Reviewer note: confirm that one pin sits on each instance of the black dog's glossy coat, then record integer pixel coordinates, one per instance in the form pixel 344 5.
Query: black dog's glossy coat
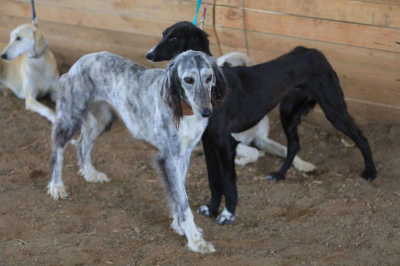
pixel 298 80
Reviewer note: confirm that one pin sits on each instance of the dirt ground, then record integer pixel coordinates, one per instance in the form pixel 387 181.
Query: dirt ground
pixel 330 217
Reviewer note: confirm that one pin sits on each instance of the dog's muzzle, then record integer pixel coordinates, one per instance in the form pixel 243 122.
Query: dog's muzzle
pixel 150 56
pixel 4 56
pixel 205 113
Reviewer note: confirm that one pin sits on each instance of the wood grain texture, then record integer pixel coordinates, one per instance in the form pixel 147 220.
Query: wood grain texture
pixel 378 14
pixel 335 52
pixel 159 9
pixel 309 28
pixel 361 38
pixel 91 19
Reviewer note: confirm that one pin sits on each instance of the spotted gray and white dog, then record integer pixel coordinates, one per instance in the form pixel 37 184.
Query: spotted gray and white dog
pixel 149 101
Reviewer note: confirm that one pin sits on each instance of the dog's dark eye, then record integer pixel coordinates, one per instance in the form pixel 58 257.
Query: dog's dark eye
pixel 209 78
pixel 18 38
pixel 226 64
pixel 172 39
pixel 189 80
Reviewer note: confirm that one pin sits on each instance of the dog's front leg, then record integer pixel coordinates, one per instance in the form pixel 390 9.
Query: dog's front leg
pixel 32 104
pixel 174 170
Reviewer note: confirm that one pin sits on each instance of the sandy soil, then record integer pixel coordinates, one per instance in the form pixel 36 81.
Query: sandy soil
pixel 330 217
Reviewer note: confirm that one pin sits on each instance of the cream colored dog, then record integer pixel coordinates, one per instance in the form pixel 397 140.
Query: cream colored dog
pixel 32 72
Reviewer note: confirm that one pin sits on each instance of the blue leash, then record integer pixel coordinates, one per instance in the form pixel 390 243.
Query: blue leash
pixel 34 18
pixel 197 11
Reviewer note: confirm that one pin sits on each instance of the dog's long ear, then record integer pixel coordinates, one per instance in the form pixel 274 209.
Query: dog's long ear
pixel 40 41
pixel 171 93
pixel 197 40
pixel 220 89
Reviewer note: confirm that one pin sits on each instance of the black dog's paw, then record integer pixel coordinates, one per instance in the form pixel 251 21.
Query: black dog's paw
pixel 276 176
pixel 369 175
pixel 225 218
pixel 204 210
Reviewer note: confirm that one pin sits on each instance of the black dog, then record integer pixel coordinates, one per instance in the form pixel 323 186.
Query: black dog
pixel 298 80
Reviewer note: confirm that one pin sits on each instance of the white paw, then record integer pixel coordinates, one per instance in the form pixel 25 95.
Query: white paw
pixel 177 228
pixel 348 144
pixel 303 166
pixel 94 176
pixel 201 246
pixel 242 160
pixel 57 191
pixel 225 217
pixel 203 210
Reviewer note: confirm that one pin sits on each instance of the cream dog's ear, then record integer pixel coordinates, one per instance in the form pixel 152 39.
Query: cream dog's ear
pixel 40 41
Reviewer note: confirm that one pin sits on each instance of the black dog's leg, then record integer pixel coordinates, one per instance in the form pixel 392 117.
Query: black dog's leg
pixel 227 153
pixel 337 114
pixel 294 106
pixel 214 177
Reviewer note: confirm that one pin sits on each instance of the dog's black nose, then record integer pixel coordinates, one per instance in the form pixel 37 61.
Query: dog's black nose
pixel 206 113
pixel 150 56
pixel 4 56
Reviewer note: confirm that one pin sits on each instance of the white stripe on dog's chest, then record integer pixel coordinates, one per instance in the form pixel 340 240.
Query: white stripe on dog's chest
pixel 190 130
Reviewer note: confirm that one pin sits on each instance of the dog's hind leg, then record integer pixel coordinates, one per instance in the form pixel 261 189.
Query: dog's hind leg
pixel 274 148
pixel 63 131
pixel 291 110
pixel 335 111
pixel 99 119
pixel 246 154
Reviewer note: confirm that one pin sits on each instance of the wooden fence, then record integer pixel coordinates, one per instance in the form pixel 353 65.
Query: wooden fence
pixel 360 38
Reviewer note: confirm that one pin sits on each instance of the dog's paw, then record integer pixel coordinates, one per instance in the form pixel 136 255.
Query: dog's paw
pixel 303 166
pixel 201 246
pixel 225 217
pixel 369 175
pixel 276 176
pixel 94 176
pixel 204 210
pixel 239 160
pixel 57 191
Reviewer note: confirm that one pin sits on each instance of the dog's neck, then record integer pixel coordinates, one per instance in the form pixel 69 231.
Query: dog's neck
pixel 186 108
pixel 38 55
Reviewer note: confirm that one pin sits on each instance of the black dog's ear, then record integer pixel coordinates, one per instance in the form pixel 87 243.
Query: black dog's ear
pixel 220 89
pixel 197 40
pixel 171 93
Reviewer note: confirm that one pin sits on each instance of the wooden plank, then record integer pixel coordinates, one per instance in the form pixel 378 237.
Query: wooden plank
pixel 277 44
pixel 238 3
pixel 88 40
pixel 308 28
pixel 340 10
pixel 386 2
pixel 362 113
pixel 74 17
pixel 154 9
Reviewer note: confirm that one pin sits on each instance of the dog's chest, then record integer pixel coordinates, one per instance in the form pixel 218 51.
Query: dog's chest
pixel 190 131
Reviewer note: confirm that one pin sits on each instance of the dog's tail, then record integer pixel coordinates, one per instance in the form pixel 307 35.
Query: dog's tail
pixel 72 104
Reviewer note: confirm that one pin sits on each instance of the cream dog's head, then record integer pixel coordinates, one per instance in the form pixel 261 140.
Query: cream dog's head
pixel 25 39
